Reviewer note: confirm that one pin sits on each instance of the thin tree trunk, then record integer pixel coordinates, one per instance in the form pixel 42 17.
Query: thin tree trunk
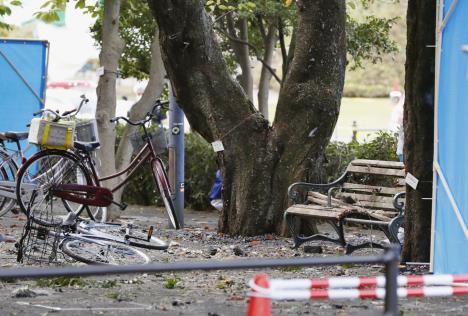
pixel 111 50
pixel 265 77
pixel 419 126
pixel 241 51
pixel 258 161
pixel 152 91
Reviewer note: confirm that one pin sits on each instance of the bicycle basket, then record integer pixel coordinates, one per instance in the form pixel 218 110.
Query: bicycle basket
pixel 86 131
pixel 39 241
pixel 52 135
pixel 158 139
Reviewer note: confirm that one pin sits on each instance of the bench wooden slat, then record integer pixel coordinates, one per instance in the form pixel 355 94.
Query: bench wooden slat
pixel 314 211
pixel 376 171
pixel 370 188
pixel 375 205
pixel 378 163
pixel 366 197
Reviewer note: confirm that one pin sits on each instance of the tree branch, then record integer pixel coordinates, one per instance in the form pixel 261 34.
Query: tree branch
pixel 284 52
pixel 255 50
pixel 261 27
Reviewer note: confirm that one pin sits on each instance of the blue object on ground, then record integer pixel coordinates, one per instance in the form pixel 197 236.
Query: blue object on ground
pixel 215 192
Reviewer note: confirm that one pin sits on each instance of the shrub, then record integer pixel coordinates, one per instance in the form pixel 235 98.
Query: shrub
pixel 338 154
pixel 200 168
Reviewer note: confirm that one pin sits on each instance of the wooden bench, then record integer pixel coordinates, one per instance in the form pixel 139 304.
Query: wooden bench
pixel 370 193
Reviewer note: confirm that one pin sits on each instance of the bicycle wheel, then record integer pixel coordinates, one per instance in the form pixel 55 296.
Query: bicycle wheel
pixel 162 182
pixel 92 251
pixel 8 170
pixel 39 174
pixel 129 234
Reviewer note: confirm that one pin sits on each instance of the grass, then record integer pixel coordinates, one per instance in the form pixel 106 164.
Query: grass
pixel 171 282
pixel 61 282
pixel 369 114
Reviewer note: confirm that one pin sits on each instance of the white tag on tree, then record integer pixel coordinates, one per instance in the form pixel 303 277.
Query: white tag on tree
pixel 100 71
pixel 217 145
pixel 411 180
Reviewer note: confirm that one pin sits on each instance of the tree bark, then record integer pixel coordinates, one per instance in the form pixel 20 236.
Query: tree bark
pixel 419 127
pixel 111 50
pixel 259 161
pixel 152 91
pixel 265 76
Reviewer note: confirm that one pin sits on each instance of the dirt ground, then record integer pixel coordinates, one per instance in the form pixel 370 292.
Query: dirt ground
pixel 194 293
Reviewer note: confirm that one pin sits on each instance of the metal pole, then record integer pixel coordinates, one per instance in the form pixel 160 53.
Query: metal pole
pixel 392 262
pixel 26 273
pixel 176 155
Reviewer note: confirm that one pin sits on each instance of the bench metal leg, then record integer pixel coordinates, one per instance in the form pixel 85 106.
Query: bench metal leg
pixel 300 239
pixel 349 248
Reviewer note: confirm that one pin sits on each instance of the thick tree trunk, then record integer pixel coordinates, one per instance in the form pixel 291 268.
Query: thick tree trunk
pixel 419 126
pixel 152 91
pixel 241 52
pixel 259 161
pixel 111 50
pixel 265 76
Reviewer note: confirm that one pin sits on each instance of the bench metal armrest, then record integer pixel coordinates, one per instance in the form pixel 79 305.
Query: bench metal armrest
pixel 293 193
pixel 399 206
pixel 329 195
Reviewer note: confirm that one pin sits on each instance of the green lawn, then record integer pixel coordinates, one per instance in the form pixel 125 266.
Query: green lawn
pixel 369 114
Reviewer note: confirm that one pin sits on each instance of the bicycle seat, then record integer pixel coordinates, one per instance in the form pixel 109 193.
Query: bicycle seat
pixel 86 146
pixel 16 135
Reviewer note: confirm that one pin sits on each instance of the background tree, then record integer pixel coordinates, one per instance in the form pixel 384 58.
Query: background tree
pixel 258 29
pixel 419 126
pixel 130 52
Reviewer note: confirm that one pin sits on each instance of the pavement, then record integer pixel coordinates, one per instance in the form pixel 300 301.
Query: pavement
pixel 193 293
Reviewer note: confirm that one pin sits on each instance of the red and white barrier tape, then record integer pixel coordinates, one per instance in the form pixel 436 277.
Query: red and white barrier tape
pixel 366 282
pixel 350 294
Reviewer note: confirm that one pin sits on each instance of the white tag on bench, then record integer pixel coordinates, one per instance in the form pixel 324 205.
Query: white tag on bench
pixel 217 145
pixel 411 180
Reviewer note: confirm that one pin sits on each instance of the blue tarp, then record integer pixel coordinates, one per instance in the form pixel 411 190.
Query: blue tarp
pixel 22 63
pixel 450 253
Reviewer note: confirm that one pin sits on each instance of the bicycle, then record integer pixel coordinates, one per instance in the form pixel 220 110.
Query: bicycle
pixel 41 242
pixel 8 169
pixel 71 176
pixel 9 157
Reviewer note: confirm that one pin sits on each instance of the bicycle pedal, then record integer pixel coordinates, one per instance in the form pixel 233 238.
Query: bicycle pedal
pixel 150 232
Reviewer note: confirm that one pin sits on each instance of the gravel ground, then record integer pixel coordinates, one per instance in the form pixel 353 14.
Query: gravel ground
pixel 194 293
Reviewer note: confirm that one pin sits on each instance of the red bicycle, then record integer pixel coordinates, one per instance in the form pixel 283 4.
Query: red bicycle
pixel 67 181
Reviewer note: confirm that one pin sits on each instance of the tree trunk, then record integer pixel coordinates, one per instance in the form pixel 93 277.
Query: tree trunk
pixel 258 162
pixel 152 91
pixel 419 126
pixel 241 52
pixel 265 76
pixel 111 50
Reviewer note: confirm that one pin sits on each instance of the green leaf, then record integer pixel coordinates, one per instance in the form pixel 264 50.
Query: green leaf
pixel 80 4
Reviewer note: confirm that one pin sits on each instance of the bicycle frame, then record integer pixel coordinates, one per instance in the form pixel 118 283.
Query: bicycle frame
pixel 146 154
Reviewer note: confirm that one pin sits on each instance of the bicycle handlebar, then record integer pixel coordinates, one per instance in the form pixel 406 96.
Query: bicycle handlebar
pixel 149 115
pixel 66 113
